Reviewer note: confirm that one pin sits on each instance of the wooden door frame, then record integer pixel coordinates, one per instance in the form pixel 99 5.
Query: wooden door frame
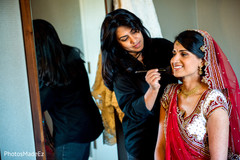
pixel 31 64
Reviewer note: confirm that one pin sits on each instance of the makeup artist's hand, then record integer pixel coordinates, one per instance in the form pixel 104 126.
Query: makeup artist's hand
pixel 152 77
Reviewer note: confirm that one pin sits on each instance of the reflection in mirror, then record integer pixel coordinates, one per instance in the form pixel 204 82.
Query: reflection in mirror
pixel 68 21
pixel 65 94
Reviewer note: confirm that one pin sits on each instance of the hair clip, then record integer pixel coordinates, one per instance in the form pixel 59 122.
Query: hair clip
pixel 203 48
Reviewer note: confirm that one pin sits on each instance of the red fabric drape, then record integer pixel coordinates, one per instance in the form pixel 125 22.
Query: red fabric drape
pixel 231 84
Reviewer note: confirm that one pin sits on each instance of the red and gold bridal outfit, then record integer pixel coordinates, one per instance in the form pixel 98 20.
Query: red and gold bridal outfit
pixel 186 138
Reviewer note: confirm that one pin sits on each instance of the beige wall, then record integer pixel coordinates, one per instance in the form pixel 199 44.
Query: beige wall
pixel 219 17
pixel 175 16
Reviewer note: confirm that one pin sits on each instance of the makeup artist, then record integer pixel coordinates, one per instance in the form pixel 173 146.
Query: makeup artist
pixel 126 48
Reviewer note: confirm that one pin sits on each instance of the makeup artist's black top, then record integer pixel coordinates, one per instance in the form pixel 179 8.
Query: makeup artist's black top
pixel 140 126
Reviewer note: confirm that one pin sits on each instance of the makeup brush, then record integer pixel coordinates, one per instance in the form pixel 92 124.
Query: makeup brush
pixel 167 70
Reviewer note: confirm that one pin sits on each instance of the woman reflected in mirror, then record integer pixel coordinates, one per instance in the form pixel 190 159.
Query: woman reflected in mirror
pixel 65 94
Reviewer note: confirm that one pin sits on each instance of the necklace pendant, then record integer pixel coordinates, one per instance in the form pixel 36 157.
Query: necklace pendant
pixel 188 93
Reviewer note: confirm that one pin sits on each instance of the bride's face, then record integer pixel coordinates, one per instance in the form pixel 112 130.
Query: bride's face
pixel 184 63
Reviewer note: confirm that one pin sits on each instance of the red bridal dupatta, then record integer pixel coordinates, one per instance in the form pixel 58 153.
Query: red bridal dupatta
pixel 218 75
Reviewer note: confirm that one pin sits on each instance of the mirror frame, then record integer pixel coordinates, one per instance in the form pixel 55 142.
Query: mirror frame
pixel 32 77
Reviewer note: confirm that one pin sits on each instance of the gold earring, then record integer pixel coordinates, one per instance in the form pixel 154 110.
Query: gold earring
pixel 200 72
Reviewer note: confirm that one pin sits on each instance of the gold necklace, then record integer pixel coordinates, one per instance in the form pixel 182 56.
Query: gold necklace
pixel 189 93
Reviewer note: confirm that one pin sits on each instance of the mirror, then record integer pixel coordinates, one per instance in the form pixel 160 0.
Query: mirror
pixel 71 22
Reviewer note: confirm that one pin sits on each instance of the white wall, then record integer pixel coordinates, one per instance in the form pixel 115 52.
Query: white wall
pixel 92 15
pixel 16 130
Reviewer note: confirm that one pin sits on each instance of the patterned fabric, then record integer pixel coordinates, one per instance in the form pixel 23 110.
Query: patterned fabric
pixel 193 129
pixel 107 103
pixel 220 75
pixel 213 75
